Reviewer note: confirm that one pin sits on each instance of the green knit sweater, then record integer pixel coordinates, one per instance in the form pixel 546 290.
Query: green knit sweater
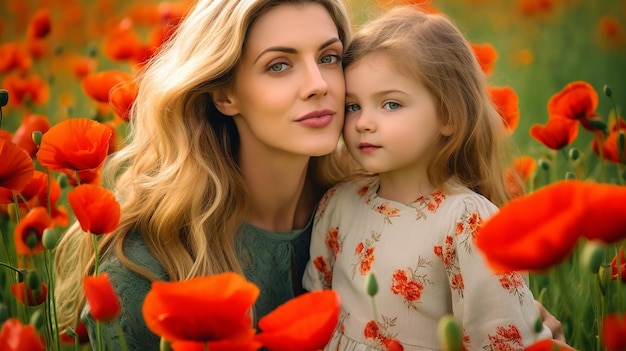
pixel 275 262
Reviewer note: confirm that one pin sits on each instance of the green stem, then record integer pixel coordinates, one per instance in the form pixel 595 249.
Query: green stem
pixel 52 299
pixel 95 254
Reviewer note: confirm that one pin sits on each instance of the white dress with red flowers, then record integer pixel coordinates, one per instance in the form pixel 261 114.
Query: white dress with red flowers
pixel 424 259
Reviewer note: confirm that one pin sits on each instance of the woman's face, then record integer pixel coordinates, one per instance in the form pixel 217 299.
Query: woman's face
pixel 289 88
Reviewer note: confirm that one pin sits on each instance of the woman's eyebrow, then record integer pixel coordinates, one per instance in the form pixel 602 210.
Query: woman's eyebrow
pixel 289 50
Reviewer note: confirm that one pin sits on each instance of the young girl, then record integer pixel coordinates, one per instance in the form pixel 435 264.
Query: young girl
pixel 420 122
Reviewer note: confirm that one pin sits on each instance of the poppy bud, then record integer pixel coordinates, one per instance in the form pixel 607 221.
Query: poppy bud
pixel 37 320
pixel 36 136
pixel 597 124
pixel 49 238
pixel 621 141
pixel 574 154
pixel 4 97
pixel 538 325
pixel 371 285
pixel 63 180
pixel 570 175
pixel 31 238
pixel 604 277
pixel 592 256
pixel 544 164
pixel 607 90
pixel 32 280
pixel 449 333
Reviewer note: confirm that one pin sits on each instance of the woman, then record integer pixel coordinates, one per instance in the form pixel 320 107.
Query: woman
pixel 230 148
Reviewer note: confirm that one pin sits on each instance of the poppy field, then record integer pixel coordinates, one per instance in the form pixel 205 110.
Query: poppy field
pixel 557 74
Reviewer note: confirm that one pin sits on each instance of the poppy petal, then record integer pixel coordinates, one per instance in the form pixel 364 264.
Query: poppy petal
pixel 307 321
pixel 95 208
pixel 101 297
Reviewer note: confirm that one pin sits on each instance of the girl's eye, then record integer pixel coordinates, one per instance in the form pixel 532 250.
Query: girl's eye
pixel 330 59
pixel 391 105
pixel 277 67
pixel 352 107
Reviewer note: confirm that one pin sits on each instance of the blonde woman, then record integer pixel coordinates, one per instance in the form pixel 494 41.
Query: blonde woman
pixel 230 149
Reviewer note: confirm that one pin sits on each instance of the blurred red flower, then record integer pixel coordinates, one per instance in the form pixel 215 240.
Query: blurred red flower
pixel 21 88
pixel 29 296
pixel 95 208
pixel 609 149
pixel 211 310
pixel 122 42
pixel 13 56
pixel 507 104
pixel 307 321
pixel 77 144
pixel 556 134
pixel 616 271
pixel 23 136
pixel 542 228
pixel 16 170
pixel 33 224
pixel 549 345
pixel 98 85
pixel 578 101
pixel 101 297
pixel 519 176
pixel 486 55
pixel 40 24
pixel 14 336
pixel 122 98
pixel 613 331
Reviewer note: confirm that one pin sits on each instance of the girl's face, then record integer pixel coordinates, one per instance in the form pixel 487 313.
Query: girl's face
pixel 391 118
pixel 289 88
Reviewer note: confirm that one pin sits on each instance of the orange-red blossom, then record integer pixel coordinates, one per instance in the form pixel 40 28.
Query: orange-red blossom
pixel 536 231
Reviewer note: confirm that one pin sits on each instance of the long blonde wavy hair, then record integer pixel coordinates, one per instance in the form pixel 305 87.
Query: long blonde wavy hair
pixel 431 48
pixel 177 180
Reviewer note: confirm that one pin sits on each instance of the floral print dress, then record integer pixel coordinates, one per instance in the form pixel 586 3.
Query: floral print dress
pixel 424 259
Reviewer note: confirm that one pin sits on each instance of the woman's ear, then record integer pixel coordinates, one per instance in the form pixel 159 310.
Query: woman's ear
pixel 447 130
pixel 224 102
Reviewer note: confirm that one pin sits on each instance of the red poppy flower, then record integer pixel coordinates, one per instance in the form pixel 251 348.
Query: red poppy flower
pixel 523 169
pixel 122 98
pixel 609 148
pixel 203 309
pixel 535 7
pixel 81 333
pixel 307 321
pixel 23 136
pixel 616 271
pixel 34 223
pixel 40 24
pixel 613 331
pixel 101 297
pixel 556 134
pixel 28 296
pixel 98 85
pixel 578 101
pixel 95 208
pixel 16 170
pixel 506 102
pixel 20 88
pixel 610 32
pixel 81 66
pixel 486 55
pixel 36 186
pixel 121 42
pixel 14 56
pixel 76 144
pixel 549 345
pixel 539 230
pixel 14 336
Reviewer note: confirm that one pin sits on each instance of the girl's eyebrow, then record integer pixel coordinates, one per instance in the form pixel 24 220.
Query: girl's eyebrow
pixel 289 50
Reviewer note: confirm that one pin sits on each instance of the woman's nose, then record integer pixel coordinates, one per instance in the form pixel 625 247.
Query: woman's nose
pixel 314 81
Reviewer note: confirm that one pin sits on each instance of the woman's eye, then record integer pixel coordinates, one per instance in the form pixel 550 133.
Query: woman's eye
pixel 278 67
pixel 330 59
pixel 352 107
pixel 391 105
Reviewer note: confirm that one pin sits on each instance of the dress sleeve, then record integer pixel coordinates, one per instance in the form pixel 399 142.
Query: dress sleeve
pixel 324 245
pixel 131 290
pixel 497 311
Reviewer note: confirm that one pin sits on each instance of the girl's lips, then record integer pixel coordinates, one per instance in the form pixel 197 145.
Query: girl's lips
pixel 368 148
